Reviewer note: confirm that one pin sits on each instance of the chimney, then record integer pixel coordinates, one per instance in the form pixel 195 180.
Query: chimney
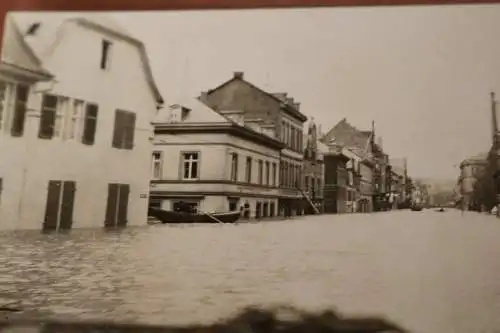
pixel 204 96
pixel 296 106
pixel 238 75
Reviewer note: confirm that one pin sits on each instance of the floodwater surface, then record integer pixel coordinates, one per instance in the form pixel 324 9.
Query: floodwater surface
pixel 427 271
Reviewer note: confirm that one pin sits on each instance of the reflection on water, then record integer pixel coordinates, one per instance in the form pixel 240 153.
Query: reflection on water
pixel 430 272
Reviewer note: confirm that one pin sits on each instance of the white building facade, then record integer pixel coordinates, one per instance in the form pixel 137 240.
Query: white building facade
pixel 86 143
pixel 215 163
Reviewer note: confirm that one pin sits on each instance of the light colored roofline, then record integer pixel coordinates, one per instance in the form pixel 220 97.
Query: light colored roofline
pixel 142 49
pixel 132 40
pixel 40 72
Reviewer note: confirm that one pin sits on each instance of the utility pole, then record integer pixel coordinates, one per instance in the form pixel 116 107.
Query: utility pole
pixel 495 148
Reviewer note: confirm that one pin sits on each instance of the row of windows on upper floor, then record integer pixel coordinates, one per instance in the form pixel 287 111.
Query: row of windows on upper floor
pixel 292 136
pixel 190 164
pixel 61 117
pixel 290 173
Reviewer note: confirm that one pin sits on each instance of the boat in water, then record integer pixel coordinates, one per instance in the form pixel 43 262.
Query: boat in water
pixel 167 216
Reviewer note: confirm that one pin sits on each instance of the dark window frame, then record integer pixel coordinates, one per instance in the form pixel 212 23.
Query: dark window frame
pixel 48 116
pixel 105 54
pixel 90 123
pixel 20 110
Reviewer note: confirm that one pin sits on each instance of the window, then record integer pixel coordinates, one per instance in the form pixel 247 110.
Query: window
pixel 283 131
pixel 20 108
pixel 292 139
pixel 193 205
pixel 1 190
pixel 260 172
pixel 74 131
pixel 157 164
pixel 301 141
pixel 274 174
pixel 248 170
pixel 48 117
pixel 271 209
pixel 155 203
pixel 105 50
pixel 298 175
pixel 306 181
pixel 117 205
pixel 90 124
pixel 59 205
pixel 124 130
pixel 234 167
pixel 190 166
pixel 287 126
pixel 282 173
pixel 295 176
pixel 61 111
pixel 258 207
pixel 268 173
pixel 233 204
pixel 265 209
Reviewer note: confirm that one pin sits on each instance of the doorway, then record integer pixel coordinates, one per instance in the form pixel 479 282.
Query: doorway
pixel 117 206
pixel 59 206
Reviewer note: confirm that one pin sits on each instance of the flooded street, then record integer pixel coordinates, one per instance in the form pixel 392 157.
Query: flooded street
pixel 430 272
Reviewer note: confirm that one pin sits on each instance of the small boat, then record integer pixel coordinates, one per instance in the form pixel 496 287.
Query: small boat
pixel 167 216
pixel 416 207
pixel 440 210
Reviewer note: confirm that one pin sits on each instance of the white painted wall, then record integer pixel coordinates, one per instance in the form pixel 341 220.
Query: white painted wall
pixel 33 161
pixel 215 164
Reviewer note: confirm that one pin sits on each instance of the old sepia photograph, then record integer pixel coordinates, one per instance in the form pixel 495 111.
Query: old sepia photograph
pixel 278 170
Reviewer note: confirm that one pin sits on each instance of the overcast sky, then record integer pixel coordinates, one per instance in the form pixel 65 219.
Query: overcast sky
pixel 424 74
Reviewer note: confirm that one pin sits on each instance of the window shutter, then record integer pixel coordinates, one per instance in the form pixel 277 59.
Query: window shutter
pixel 111 206
pixel 19 118
pixel 90 124
pixel 130 130
pixel 52 205
pixel 67 205
pixel 118 129
pixel 123 196
pixel 48 117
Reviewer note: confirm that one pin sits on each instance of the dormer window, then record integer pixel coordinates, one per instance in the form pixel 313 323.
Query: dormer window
pixel 105 54
pixel 184 113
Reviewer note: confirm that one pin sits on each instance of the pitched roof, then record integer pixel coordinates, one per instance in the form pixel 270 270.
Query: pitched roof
pixel 280 97
pixel 198 113
pixel 201 116
pixel 398 165
pixel 349 136
pixel 17 53
pixel 479 158
pixel 52 27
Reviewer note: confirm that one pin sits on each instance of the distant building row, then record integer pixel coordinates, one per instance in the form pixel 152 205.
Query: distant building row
pixel 238 147
pixel 478 185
